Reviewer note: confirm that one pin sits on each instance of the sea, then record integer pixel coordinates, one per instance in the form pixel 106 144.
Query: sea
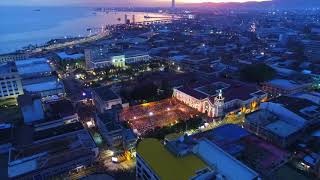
pixel 23 26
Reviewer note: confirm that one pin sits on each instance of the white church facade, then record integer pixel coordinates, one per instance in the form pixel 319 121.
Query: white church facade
pixel 220 97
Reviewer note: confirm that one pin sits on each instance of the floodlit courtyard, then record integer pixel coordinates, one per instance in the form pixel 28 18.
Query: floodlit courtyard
pixel 148 116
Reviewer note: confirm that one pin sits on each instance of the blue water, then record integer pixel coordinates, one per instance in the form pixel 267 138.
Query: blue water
pixel 22 26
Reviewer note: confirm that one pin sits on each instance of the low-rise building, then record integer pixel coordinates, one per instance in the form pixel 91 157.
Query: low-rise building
pixel 278 130
pixel 38 111
pixel 6 137
pixel 205 160
pixel 284 120
pixel 113 132
pixel 219 97
pixel 54 150
pixel 104 98
pixel 10 81
pixel 65 56
pixel 31 68
pixel 31 108
pixel 311 50
pixel 254 152
pixel 110 128
pixel 44 86
pixel 12 57
pixel 101 57
pixel 278 87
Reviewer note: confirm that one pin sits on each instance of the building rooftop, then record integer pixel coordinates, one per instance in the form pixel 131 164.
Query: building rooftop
pixel 282 128
pixel 257 154
pixel 230 89
pixel 166 165
pixel 228 166
pixel 49 153
pixel 56 130
pixel 223 134
pixel 106 94
pixel 39 86
pixel 7 68
pixel 133 53
pixel 31 108
pixel 59 109
pixel 110 121
pixel 64 55
pixel 31 66
pixel 284 83
pixel 302 107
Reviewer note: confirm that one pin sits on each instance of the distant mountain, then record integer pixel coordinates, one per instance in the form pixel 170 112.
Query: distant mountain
pixel 265 4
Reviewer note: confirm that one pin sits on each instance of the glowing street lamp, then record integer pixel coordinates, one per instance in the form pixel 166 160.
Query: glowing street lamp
pixel 150 113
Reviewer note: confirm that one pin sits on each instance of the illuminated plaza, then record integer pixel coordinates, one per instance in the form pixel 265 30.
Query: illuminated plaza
pixel 148 116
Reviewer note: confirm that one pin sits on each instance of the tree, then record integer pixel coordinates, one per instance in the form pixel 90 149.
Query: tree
pixel 257 73
pixel 144 91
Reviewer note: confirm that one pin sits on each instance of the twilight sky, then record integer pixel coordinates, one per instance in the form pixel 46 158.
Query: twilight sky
pixel 106 2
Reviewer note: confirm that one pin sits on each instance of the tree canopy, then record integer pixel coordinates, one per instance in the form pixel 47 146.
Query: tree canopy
pixel 257 73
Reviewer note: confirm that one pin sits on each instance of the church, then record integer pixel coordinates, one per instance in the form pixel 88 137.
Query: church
pixel 220 97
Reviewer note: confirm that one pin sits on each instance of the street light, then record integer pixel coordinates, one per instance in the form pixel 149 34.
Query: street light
pixel 150 113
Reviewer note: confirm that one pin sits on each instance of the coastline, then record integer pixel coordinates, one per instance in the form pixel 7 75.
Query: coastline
pixel 66 29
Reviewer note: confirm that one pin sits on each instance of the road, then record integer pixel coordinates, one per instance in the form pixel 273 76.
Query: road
pixel 71 43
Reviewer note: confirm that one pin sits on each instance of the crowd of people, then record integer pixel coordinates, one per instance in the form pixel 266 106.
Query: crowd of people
pixel 157 114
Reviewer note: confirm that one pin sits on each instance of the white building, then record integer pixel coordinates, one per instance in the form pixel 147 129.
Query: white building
pixel 10 81
pixel 219 97
pixel 100 58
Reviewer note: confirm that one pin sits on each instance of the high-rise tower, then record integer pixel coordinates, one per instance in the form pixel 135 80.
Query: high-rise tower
pixel 173 5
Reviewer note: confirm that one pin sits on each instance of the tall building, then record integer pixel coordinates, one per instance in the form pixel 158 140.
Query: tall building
pixel 10 81
pixel 173 5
